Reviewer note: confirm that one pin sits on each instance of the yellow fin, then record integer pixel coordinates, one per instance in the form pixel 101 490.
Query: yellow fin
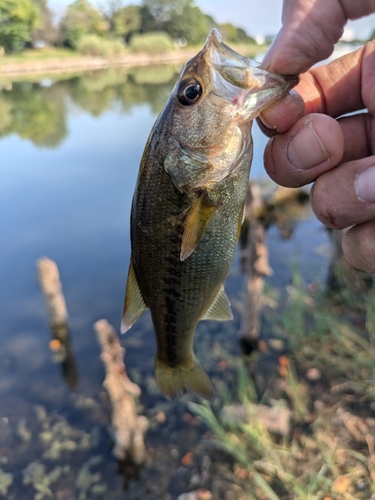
pixel 220 308
pixel 241 219
pixel 134 305
pixel 175 380
pixel 196 224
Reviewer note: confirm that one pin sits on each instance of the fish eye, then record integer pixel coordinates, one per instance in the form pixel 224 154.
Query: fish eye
pixel 189 92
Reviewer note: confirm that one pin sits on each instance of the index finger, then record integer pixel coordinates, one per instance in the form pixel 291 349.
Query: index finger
pixel 310 30
pixel 342 86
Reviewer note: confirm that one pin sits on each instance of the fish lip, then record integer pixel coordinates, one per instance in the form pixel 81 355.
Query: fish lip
pixel 215 52
pixel 280 83
pixel 240 80
pixel 225 61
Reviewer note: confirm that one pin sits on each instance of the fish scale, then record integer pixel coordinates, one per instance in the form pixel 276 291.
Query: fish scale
pixel 188 203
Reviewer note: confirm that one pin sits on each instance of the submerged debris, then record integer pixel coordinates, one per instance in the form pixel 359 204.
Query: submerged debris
pixel 6 480
pixel 128 427
pixel 61 437
pixel 22 431
pixel 87 480
pixel 35 475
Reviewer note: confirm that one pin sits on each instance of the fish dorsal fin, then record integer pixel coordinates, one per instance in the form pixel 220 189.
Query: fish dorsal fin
pixel 196 224
pixel 134 305
pixel 220 308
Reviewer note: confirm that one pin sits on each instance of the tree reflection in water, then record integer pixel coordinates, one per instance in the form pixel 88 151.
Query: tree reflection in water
pixel 37 110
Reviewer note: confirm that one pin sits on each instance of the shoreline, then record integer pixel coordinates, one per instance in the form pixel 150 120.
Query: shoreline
pixel 55 65
pixel 87 63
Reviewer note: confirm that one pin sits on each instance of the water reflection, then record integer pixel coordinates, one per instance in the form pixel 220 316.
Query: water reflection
pixel 69 155
pixel 38 112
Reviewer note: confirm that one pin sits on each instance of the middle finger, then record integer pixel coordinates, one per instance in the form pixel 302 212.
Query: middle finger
pixel 345 195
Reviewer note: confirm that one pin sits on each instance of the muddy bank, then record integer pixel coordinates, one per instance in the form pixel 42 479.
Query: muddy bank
pixel 56 65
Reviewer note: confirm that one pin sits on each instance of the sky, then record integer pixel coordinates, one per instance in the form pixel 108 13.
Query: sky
pixel 257 17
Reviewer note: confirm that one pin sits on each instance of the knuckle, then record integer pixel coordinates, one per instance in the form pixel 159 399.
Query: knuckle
pixel 358 246
pixel 323 206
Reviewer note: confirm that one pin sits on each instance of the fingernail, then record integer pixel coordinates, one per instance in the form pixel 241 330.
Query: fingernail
pixel 306 149
pixel 365 185
pixel 266 124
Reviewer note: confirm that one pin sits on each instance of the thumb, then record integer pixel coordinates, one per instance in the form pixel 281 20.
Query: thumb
pixel 310 30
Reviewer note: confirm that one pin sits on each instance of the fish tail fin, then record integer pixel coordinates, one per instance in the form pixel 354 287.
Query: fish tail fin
pixel 175 380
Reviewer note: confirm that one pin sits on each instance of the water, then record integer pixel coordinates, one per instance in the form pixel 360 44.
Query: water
pixel 69 155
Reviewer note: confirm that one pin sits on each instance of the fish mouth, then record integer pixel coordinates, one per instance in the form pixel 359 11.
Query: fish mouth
pixel 239 79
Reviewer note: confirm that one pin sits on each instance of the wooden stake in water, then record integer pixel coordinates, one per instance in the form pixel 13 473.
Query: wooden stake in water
pixel 128 427
pixel 254 257
pixel 49 279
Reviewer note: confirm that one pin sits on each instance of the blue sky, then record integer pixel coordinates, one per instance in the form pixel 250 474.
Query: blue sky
pixel 257 17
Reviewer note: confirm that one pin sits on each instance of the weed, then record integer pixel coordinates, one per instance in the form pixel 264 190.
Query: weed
pixel 329 450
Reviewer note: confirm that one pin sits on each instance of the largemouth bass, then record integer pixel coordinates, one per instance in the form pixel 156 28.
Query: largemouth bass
pixel 188 204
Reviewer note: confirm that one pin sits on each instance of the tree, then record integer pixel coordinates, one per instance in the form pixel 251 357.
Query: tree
pixel 178 18
pixel 81 19
pixel 44 30
pixel 233 34
pixel 125 21
pixel 17 20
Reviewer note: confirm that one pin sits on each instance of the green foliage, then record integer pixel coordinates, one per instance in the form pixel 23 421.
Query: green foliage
pixel 81 19
pixel 94 45
pixel 33 113
pixel 17 20
pixel 178 18
pixel 152 43
pixel 329 448
pixel 38 113
pixel 232 34
pixel 44 30
pixel 5 115
pixel 125 21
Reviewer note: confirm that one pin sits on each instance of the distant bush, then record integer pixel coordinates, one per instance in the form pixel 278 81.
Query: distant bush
pixel 94 45
pixel 155 42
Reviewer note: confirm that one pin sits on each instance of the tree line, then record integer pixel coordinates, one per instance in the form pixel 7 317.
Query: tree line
pixel 29 23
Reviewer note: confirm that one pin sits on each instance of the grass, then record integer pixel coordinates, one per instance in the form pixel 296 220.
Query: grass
pixel 30 55
pixel 329 451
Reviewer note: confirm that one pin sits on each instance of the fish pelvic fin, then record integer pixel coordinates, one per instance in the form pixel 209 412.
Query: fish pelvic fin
pixel 134 305
pixel 220 308
pixel 175 380
pixel 196 224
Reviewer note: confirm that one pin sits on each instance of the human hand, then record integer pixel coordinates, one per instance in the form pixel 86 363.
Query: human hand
pixel 310 28
pixel 337 154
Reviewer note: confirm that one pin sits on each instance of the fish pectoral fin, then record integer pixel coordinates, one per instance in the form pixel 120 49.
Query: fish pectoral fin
pixel 220 308
pixel 134 305
pixel 196 224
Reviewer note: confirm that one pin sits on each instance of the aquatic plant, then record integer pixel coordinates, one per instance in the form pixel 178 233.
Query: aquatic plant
pixel 6 480
pixel 35 474
pixel 87 480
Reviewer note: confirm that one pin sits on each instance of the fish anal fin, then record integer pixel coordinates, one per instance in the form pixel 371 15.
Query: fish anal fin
pixel 175 380
pixel 196 224
pixel 134 305
pixel 220 308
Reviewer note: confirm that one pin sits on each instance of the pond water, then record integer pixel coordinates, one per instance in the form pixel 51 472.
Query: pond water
pixel 69 155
